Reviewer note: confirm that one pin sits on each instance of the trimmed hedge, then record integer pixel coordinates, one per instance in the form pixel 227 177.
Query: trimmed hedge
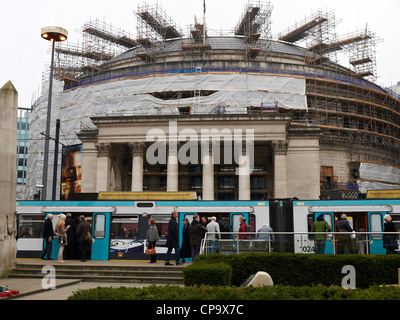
pixel 237 293
pixel 299 270
pixel 214 274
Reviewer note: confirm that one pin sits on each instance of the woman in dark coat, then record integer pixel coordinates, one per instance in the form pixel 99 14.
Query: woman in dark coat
pixel 186 250
pixel 196 230
pixel 389 240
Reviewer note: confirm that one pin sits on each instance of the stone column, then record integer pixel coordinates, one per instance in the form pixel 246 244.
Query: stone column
pixel 244 174
pixel 89 167
pixel 280 149
pixel 137 166
pixel 208 171
pixel 103 167
pixel 8 172
pixel 172 167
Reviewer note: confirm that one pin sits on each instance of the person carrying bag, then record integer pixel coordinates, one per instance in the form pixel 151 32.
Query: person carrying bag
pixel 152 238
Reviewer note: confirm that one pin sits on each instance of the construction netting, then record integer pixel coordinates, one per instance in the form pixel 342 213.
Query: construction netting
pixel 210 94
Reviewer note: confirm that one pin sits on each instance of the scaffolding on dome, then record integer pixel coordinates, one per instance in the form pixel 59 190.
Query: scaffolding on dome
pixel 255 23
pixel 101 42
pixel 154 27
pixel 319 33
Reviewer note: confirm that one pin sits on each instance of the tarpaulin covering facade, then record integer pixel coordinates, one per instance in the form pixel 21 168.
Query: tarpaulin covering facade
pixel 378 177
pixel 230 93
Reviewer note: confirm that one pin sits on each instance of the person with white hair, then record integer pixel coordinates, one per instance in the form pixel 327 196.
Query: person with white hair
pixel 213 227
pixel 61 231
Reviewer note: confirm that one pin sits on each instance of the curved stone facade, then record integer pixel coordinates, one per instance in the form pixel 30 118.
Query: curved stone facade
pixel 359 121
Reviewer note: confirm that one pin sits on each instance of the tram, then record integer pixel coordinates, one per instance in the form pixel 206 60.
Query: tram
pixel 119 227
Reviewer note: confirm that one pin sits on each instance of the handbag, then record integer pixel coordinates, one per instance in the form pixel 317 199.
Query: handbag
pixel 150 252
pixel 62 240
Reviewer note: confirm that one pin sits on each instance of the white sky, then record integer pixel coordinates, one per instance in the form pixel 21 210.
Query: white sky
pixel 24 54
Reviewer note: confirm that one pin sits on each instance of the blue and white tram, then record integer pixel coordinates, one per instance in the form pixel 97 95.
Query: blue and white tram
pixel 119 227
pixel 363 216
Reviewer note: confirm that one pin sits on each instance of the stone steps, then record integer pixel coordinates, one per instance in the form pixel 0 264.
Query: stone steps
pixel 104 272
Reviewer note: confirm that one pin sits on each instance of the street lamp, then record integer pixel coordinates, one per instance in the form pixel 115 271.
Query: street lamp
pixel 53 34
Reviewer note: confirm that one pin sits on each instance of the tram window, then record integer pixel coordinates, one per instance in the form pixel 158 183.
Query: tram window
pixel 396 221
pixel 99 226
pixel 189 217
pixel 162 224
pixel 311 219
pixel 375 222
pixel 124 227
pixel 252 222
pixel 30 225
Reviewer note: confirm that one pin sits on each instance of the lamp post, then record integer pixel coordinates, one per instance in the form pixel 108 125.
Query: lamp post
pixel 53 34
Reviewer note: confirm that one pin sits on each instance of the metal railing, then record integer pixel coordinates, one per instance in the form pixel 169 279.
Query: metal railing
pixel 297 242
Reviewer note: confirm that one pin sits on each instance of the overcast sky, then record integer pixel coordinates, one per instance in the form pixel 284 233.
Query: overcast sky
pixel 24 54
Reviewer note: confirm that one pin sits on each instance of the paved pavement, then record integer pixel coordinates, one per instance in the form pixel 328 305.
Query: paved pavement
pixel 31 288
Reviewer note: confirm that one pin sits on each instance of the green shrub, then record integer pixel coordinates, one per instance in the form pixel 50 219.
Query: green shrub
pixel 307 270
pixel 237 293
pixel 209 274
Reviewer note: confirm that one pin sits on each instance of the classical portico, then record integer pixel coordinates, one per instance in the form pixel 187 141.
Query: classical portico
pixel 221 157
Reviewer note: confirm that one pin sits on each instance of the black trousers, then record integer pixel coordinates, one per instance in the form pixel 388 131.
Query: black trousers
pixel 82 250
pixel 47 249
pixel 153 258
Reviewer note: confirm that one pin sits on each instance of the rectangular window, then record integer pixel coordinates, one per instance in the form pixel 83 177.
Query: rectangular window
pixel 257 182
pixel 99 226
pixel 311 218
pixel 162 224
pixel 29 226
pixel 125 227
pixel 225 182
pixel 375 224
pixel 235 222
pixel 196 182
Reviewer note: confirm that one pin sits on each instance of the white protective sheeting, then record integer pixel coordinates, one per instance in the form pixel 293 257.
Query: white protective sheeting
pixel 232 93
pixel 378 177
pixel 375 172
pixel 368 185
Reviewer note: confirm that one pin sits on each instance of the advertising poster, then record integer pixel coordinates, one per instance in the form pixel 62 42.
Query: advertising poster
pixel 71 171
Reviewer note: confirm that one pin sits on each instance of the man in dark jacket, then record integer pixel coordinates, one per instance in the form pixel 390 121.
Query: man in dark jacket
pixel 196 230
pixel 82 237
pixel 344 241
pixel 71 240
pixel 173 239
pixel 48 234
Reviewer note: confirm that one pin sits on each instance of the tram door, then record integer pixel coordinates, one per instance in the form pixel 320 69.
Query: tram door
pixel 330 244
pixel 101 235
pixel 99 248
pixel 375 224
pixel 55 245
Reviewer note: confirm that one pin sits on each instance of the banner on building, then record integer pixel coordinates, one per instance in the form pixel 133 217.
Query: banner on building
pixel 71 171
